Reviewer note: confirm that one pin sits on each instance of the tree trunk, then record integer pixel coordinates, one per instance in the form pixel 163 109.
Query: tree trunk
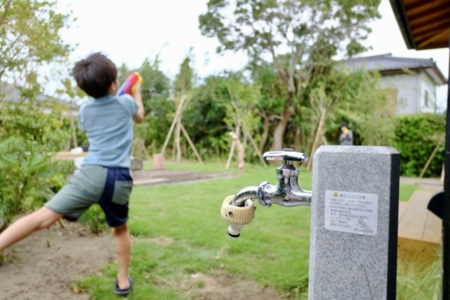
pixel 265 134
pixel 297 140
pixel 278 133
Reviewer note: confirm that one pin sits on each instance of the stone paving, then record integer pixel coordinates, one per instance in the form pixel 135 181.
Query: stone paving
pixel 415 221
pixel 153 177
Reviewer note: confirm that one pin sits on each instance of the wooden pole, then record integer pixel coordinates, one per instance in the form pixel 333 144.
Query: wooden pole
pixel 240 153
pixel 177 139
pixel 199 158
pixel 178 126
pixel 252 141
pixel 317 139
pixel 431 157
pixel 233 145
pixel 174 122
pixel 230 155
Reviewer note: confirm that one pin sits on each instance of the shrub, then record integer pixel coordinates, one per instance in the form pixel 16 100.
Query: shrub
pixel 417 137
pixel 28 174
pixel 95 219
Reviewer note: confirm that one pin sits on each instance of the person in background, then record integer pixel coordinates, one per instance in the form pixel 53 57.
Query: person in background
pixel 346 137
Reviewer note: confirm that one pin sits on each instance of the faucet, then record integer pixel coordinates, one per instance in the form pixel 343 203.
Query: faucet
pixel 239 210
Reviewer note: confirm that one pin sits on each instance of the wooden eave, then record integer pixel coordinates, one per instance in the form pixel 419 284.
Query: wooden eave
pixel 425 24
pixel 435 75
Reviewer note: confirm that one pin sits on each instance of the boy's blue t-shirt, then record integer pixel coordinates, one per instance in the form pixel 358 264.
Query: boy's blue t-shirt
pixel 108 123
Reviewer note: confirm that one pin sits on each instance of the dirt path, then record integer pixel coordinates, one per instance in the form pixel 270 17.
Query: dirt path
pixel 46 264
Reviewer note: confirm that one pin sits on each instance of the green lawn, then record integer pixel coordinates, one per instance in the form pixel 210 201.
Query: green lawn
pixel 406 191
pixel 272 250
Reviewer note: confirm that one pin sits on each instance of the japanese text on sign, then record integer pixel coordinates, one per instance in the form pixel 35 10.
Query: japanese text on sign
pixel 351 212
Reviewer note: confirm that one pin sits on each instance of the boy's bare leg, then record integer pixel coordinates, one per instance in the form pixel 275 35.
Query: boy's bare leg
pixel 23 227
pixel 123 250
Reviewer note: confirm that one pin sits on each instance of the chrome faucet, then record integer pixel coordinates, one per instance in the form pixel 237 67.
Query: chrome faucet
pixel 239 210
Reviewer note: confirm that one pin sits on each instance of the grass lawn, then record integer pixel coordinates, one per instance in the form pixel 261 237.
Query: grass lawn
pixel 178 232
pixel 406 191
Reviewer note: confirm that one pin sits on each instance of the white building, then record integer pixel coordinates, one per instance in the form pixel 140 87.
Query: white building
pixel 9 92
pixel 410 83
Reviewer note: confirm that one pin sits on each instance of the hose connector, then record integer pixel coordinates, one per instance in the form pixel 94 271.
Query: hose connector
pixel 237 216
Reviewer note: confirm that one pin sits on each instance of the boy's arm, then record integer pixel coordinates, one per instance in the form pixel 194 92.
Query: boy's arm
pixel 139 116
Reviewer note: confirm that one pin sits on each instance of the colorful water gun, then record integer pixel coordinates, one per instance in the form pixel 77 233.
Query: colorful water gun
pixel 130 83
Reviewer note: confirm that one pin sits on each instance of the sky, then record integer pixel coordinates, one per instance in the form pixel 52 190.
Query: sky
pixel 133 30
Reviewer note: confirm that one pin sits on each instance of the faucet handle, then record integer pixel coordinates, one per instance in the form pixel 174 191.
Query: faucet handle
pixel 286 154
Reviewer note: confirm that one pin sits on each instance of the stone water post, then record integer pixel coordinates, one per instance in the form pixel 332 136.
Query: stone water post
pixel 354 220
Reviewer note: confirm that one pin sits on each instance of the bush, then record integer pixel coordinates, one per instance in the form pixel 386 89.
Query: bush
pixel 28 174
pixel 417 137
pixel 95 219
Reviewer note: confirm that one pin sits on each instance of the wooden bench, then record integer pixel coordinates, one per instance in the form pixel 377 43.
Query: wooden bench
pixel 67 155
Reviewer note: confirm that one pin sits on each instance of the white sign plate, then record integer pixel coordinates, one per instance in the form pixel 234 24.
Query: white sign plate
pixel 351 212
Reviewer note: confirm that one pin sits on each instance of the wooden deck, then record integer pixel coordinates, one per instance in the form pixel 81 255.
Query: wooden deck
pixel 67 155
pixel 415 221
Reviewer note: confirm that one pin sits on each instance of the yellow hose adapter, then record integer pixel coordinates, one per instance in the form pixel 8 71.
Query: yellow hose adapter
pixel 237 216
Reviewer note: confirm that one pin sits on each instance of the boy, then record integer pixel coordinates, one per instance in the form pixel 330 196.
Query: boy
pixel 346 137
pixel 104 177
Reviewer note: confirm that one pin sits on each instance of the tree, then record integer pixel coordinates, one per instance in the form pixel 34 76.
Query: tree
pixel 241 111
pixel 350 92
pixel 295 36
pixel 185 79
pixel 366 109
pixel 204 117
pixel 158 108
pixel 271 99
pixel 29 38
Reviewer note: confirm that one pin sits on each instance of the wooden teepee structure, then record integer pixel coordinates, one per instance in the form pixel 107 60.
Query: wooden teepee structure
pixel 241 126
pixel 177 128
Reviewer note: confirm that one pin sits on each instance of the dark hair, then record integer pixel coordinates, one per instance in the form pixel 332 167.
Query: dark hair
pixel 95 74
pixel 343 124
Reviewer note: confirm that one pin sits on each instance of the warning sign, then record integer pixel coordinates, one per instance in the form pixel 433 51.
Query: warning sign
pixel 351 212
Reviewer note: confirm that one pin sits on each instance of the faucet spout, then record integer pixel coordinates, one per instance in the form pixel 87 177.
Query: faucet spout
pixel 286 193
pixel 247 193
pixel 301 197
pixel 272 194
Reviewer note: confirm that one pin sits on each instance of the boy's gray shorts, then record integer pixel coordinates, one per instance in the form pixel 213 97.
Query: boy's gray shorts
pixel 109 187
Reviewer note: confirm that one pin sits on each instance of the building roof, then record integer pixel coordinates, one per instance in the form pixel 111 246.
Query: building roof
pixel 11 93
pixel 387 64
pixel 424 24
